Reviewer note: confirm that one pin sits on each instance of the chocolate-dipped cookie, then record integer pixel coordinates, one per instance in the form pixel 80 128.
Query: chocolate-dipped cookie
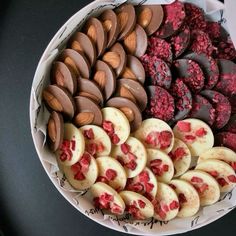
pixel 116 58
pixel 231 125
pixel 61 75
pixel 90 89
pixel 129 108
pixel 208 66
pixel 94 29
pixel 150 17
pixel 59 99
pixel 134 70
pixel 132 90
pixel 87 112
pixel 126 18
pixel 190 72
pixel 76 61
pixel 81 43
pixel 226 139
pixel 111 26
pixel 105 78
pixel 136 42
pixel 55 130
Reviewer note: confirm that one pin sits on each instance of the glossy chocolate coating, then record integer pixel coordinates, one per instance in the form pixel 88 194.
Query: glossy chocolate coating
pixel 136 89
pixel 89 89
pixel 129 15
pixel 80 61
pixel 109 18
pixel 81 43
pixel 157 15
pixel 54 94
pixel 126 105
pixel 55 130
pixel 110 79
pixel 100 40
pixel 84 104
pixel 61 75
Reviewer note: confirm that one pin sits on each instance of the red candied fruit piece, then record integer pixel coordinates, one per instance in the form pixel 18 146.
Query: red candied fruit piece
pixel 213 173
pixel 152 138
pixel 110 174
pixel 148 187
pixel 195 17
pixel 141 203
pixel 85 162
pixel 66 148
pixel 184 126
pixel 226 139
pixel 165 139
pixel 135 187
pixel 144 177
pixel 174 15
pixel 158 210
pixel 131 165
pixel 91 148
pixel 182 198
pixel 222 182
pixel 115 139
pixel 161 104
pixel 165 168
pixel 159 48
pixel 104 200
pixel 116 209
pixel 174 205
pixel 233 165
pixel 76 167
pixel 165 207
pixel 89 134
pixel 125 148
pixel 135 212
pixel 189 138
pixel 196 179
pixel 202 188
pixel 178 154
pixel 100 147
pixel 232 178
pixel 156 162
pixel 79 176
pixel 108 126
pixel 200 132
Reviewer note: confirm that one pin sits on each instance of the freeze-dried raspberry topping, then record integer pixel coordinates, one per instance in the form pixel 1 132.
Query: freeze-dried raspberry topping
pixel 199 184
pixel 182 198
pixel 81 167
pixel 196 179
pixel 213 29
pixel 110 174
pixel 183 99
pixel 161 104
pixel 161 140
pixel 177 154
pixel 108 126
pixel 194 17
pixel 89 134
pixel 134 209
pixel 103 201
pixel 201 43
pixel 213 173
pixel 222 182
pixel 202 109
pixel 158 167
pixel 221 105
pixel 183 126
pixel 226 50
pixel 157 70
pixel 180 42
pixel 174 205
pixel 232 178
pixel 174 15
pixel 66 148
pixel 159 48
pixel 116 209
pixel 190 72
pixel 94 147
pixel 226 139
pixel 200 132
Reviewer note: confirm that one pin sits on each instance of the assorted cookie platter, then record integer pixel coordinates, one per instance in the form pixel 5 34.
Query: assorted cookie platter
pixel 136 95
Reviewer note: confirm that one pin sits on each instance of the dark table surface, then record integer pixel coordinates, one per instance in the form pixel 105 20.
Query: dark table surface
pixel 29 204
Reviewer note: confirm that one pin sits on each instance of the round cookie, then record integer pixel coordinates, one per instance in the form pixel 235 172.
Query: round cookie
pixel 160 164
pixel 226 139
pixel 181 157
pixel 144 183
pixel 106 198
pixel 137 205
pixel 221 171
pixel 156 134
pixel 72 146
pixel 206 186
pixel 188 198
pixel 196 134
pixel 97 142
pixel 111 172
pixel 83 174
pixel 231 125
pixel 132 155
pixel 116 125
pixel 166 203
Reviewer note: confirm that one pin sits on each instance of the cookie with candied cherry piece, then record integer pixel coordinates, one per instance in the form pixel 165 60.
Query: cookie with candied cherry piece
pixel 72 146
pixel 83 174
pixel 111 172
pixel 144 183
pixel 160 164
pixel 106 198
pixel 97 141
pixel 221 171
pixel 132 155
pixel 181 157
pixel 157 134
pixel 189 200
pixel 116 125
pixel 196 134
pixel 137 205
pixel 206 186
pixel 166 203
